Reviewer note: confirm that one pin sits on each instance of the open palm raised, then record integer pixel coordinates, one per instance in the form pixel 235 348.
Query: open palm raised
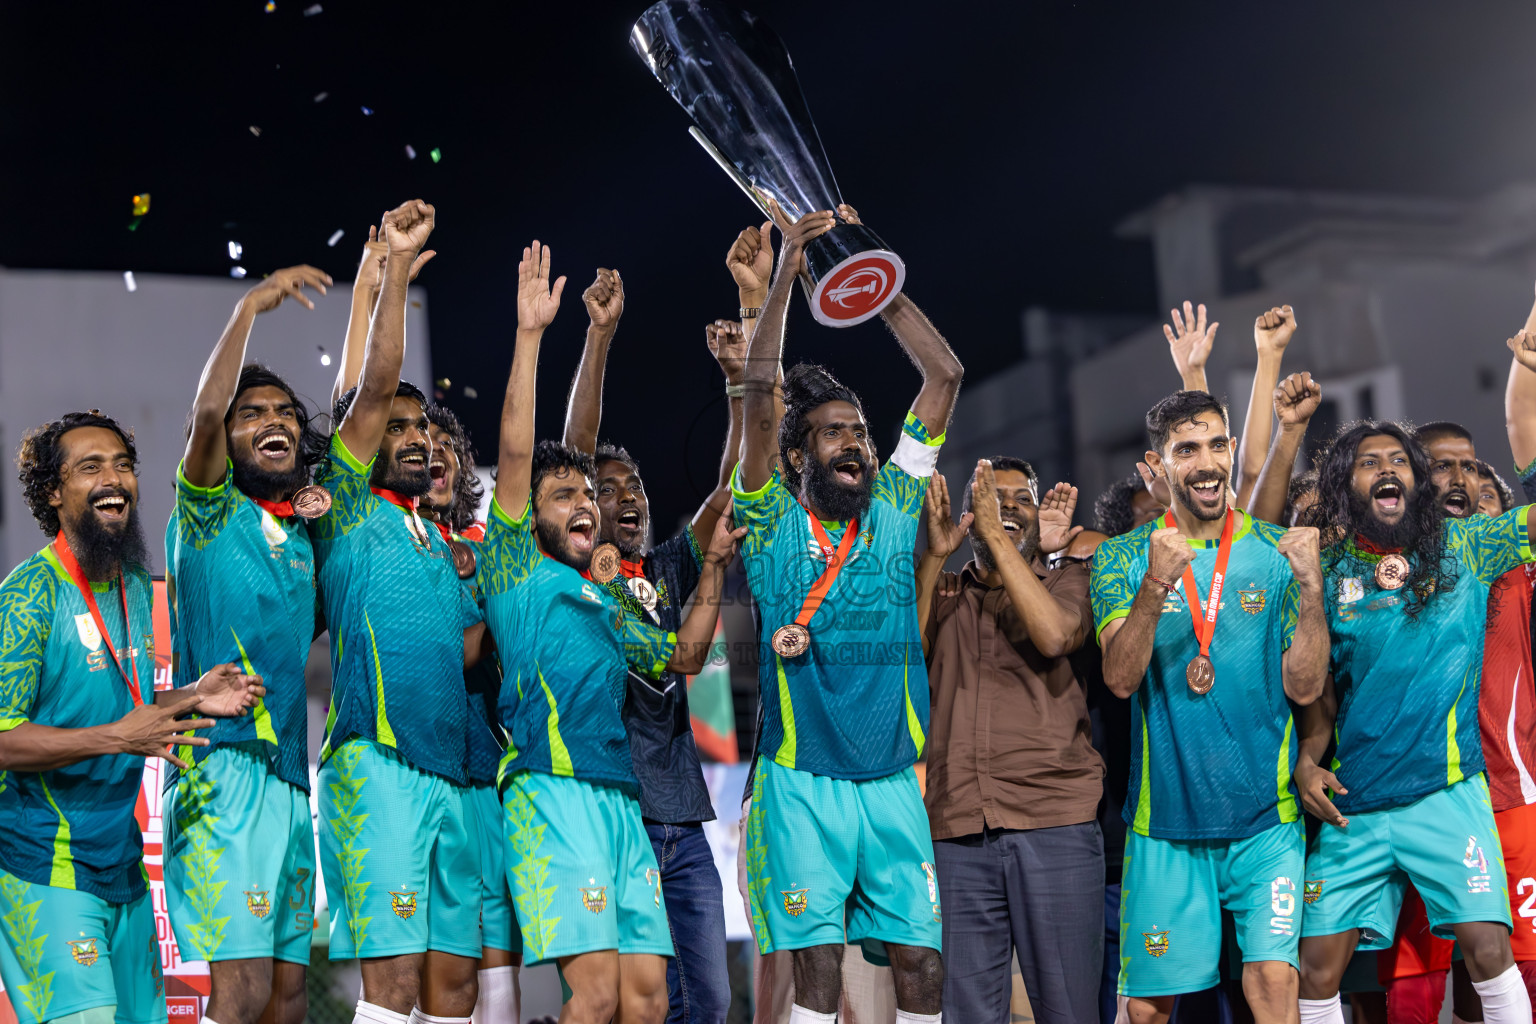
pixel 537 301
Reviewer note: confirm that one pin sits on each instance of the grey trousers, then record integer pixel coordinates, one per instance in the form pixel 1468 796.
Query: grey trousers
pixel 1039 892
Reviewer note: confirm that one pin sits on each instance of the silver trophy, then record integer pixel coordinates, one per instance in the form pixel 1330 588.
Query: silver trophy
pixel 733 76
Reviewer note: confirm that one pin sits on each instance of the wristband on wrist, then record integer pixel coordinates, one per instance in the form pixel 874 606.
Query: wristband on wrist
pixel 1170 587
pixel 750 312
pixel 735 391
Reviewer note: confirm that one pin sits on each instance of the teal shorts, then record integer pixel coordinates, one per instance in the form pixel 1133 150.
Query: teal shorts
pixel 498 924
pixel 65 951
pixel 401 860
pixel 1172 895
pixel 581 868
pixel 239 860
pixel 1445 844
pixel 834 861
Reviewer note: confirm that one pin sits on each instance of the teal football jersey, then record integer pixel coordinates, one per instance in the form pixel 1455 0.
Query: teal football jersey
pixel 855 705
pixel 73 827
pixel 397 612
pixel 245 594
pixel 482 685
pixel 1408 686
pixel 1217 765
pixel 565 643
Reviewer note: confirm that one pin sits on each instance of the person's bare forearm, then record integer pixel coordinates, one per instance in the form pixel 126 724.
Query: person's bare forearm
pixel 760 433
pixel 204 458
pixel 1273 487
pixel 1305 664
pixel 926 347
pixel 1314 725
pixel 928 569
pixel 1054 631
pixel 383 356
pixel 364 300
pixel 1129 651
pixel 1520 407
pixel 30 747
pixel 1253 447
pixel 696 635
pixel 514 473
pixel 584 407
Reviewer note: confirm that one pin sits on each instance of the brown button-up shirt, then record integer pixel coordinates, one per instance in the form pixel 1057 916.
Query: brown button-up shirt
pixel 1009 742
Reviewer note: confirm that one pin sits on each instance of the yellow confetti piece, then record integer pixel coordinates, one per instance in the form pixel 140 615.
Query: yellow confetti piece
pixel 141 205
pixel 271 6
pixel 444 383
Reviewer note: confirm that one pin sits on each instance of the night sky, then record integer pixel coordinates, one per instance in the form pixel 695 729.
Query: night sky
pixel 994 146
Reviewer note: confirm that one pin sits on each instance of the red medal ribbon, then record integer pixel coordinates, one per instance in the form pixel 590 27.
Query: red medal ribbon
pixel 280 509
pixel 1205 628
pixel 396 498
pixel 1368 547
pixel 631 570
pixel 72 566
pixel 835 561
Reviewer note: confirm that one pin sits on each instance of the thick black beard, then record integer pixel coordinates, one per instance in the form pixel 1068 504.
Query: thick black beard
pixel 834 499
pixel 1028 546
pixel 1185 495
pixel 266 484
pixel 1403 534
pixel 556 543
pixel 103 552
pixel 393 477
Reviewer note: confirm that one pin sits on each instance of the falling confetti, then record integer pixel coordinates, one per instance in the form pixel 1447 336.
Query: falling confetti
pixel 470 392
pixel 235 249
pixel 141 205
pixel 133 226
pixel 334 238
pixel 415 303
pixel 312 10
pixel 271 6
pixel 256 131
pixel 436 155
pixel 367 111
pixel 410 152
pixel 237 272
pixel 444 383
pixel 320 97
pixel 128 280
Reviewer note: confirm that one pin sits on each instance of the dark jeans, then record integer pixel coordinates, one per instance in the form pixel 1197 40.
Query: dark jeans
pixel 1037 892
pixel 698 980
pixel 1109 982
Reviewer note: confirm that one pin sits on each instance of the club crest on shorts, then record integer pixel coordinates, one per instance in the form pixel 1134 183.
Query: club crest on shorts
pixel 90 636
pixel 83 950
pixel 403 904
pixel 653 878
pixel 1311 892
pixel 795 901
pixel 258 903
pixel 1252 599
pixel 595 898
pixel 1156 942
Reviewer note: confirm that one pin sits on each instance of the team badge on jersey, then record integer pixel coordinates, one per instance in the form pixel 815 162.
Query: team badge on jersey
pixel 90 636
pixel 595 898
pixel 272 530
pixel 1311 892
pixel 653 877
pixel 1351 590
pixel 83 950
pixel 795 901
pixel 1156 942
pixel 258 903
pixel 1252 599
pixel 403 904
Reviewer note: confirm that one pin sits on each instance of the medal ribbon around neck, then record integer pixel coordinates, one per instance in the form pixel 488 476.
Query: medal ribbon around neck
pixel 835 562
pixel 1205 629
pixel 408 504
pixel 72 566
pixel 280 509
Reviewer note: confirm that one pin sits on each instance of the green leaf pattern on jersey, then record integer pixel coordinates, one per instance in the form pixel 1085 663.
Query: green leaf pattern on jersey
pixel 201 862
pixel 19 918
pixel 26 618
pixel 347 825
pixel 757 865
pixel 352 497
pixel 1110 588
pixel 532 896
pixel 509 554
pixel 1490 547
pixel 201 513
pixel 760 511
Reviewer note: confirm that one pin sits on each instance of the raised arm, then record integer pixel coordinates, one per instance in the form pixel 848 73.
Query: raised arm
pixel 1296 398
pixel 944 537
pixel 1305 664
pixel 760 443
pixel 1520 394
pixel 204 458
pixel 1189 342
pixel 696 636
pixel 750 261
pixel 537 304
pixel 365 299
pixel 1272 331
pixel 1127 642
pixel 406 229
pixel 604 299
pixel 729 347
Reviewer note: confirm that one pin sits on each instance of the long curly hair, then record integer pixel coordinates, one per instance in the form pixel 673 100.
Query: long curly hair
pixel 1112 511
pixel 807 387
pixel 467 488
pixel 1434 568
pixel 40 461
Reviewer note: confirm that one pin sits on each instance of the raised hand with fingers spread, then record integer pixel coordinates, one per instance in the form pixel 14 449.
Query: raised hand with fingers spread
pixel 1056 511
pixel 944 534
pixel 1189 342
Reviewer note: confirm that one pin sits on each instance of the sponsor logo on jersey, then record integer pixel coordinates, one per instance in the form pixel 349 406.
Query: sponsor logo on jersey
pixel 83 950
pixel 653 877
pixel 590 594
pixel 403 904
pixel 1156 942
pixel 258 903
pixel 90 636
pixel 1252 599
pixel 1311 892
pixel 272 530
pixel 595 898
pixel 795 901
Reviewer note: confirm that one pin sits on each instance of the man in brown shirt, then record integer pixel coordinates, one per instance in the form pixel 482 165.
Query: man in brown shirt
pixel 1013 778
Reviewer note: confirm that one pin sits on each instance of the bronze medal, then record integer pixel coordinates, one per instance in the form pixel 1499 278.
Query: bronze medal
pixel 311 501
pixel 1201 674
pixel 1392 571
pixel 641 590
pixel 791 641
pixel 605 563
pixel 463 558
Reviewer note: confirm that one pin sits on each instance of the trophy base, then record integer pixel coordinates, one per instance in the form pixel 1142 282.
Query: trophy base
pixel 853 275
